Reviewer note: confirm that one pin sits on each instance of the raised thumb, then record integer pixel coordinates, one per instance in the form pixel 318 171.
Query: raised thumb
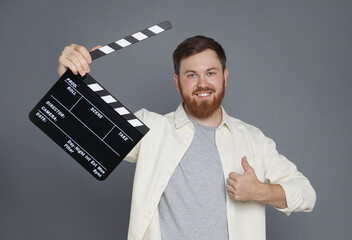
pixel 245 165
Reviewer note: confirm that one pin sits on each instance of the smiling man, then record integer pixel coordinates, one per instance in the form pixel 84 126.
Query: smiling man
pixel 200 173
pixel 201 79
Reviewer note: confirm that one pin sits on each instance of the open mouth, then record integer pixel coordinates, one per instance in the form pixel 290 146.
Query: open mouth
pixel 203 94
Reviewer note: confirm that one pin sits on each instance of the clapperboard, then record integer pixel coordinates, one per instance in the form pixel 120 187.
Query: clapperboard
pixel 85 120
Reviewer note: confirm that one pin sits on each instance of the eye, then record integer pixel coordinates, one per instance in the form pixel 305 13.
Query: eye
pixel 211 73
pixel 192 75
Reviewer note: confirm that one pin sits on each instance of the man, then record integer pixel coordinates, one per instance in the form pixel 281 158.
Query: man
pixel 200 173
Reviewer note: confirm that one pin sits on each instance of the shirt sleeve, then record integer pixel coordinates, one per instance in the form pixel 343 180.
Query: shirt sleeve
pixel 300 195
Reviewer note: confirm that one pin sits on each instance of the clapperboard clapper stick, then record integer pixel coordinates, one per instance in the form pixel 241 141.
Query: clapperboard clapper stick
pixel 85 120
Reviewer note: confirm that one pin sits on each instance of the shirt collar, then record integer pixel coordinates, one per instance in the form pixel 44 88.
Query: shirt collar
pixel 181 118
pixel 226 121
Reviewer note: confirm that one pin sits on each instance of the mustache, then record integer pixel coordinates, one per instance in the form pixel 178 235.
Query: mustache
pixel 200 89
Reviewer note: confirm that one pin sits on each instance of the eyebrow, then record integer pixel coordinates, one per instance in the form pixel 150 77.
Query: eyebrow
pixel 193 71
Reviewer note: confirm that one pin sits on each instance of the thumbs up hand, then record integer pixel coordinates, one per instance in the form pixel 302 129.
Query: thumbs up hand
pixel 246 186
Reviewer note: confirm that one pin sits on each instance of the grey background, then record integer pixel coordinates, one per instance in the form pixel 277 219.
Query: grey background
pixel 290 75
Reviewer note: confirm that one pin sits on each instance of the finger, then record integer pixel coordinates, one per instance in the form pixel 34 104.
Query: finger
pixel 82 60
pixel 231 182
pixel 74 58
pixel 245 165
pixel 232 195
pixel 229 188
pixel 234 175
pixel 64 64
pixel 96 47
pixel 82 50
pixel 69 53
pixel 82 54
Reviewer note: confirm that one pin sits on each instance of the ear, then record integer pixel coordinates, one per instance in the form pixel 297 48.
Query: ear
pixel 177 82
pixel 226 73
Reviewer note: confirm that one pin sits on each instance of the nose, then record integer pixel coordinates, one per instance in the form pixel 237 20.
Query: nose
pixel 202 81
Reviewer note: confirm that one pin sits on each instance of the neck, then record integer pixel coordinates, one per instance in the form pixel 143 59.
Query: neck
pixel 213 120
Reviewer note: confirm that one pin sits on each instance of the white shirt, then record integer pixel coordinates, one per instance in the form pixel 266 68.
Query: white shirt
pixel 159 152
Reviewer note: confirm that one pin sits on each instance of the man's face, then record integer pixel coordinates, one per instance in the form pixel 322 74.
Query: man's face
pixel 201 83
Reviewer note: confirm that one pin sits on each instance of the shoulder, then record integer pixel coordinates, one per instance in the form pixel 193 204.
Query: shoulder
pixel 253 135
pixel 239 125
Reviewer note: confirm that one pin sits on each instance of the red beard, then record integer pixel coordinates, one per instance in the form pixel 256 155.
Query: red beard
pixel 203 109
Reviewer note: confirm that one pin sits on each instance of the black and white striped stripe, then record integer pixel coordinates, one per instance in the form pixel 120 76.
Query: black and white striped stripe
pixel 112 47
pixel 115 104
pixel 134 38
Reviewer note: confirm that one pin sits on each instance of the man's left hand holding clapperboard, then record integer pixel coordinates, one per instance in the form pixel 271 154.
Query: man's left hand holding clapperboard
pixel 84 119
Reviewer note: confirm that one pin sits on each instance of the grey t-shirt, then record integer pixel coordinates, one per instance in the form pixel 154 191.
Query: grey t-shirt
pixel 193 205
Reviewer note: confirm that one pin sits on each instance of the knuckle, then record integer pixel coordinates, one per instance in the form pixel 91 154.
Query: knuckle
pixel 74 58
pixel 72 66
pixel 81 48
pixel 67 49
pixel 74 69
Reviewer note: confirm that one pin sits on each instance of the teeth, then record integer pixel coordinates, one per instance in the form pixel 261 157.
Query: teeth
pixel 203 94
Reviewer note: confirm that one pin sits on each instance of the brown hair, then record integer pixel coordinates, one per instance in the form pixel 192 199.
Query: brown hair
pixel 194 45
